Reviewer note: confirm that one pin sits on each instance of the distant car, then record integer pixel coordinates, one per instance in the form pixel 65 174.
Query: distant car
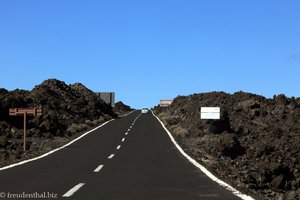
pixel 145 110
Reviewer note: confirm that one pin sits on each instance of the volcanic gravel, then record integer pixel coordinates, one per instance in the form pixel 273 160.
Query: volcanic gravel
pixel 255 146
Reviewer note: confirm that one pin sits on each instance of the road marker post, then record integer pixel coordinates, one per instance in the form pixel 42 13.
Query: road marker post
pixel 24 112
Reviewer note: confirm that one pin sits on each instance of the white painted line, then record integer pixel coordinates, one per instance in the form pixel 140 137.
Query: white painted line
pixel 53 151
pixel 123 139
pixel 136 118
pixel 203 169
pixel 98 168
pixel 126 133
pixel 128 129
pixel 130 126
pixel 73 190
pixel 111 156
pixel 118 147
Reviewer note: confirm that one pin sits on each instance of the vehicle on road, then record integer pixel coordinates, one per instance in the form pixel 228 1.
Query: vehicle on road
pixel 145 110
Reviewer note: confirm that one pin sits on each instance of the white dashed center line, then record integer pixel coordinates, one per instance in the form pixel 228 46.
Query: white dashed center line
pixel 126 133
pixel 73 190
pixel 111 156
pixel 98 168
pixel 123 139
pixel 118 147
pixel 128 129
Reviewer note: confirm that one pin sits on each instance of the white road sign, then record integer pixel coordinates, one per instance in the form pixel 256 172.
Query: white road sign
pixel 210 112
pixel 165 103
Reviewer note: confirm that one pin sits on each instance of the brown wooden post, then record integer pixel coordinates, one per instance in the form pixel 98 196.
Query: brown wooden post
pixel 24 144
pixel 24 112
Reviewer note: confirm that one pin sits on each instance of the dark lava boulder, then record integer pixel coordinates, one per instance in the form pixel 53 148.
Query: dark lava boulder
pixel 230 146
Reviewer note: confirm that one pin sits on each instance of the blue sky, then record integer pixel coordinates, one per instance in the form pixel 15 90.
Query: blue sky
pixel 152 49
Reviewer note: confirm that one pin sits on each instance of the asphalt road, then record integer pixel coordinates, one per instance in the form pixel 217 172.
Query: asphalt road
pixel 129 158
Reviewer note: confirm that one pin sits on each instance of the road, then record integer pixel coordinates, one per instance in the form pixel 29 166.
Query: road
pixel 129 158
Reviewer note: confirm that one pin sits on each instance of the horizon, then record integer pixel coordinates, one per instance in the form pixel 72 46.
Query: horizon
pixel 152 50
pixel 230 93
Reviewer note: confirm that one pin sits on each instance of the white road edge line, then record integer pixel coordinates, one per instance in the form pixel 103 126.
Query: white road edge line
pixel 53 151
pixel 98 168
pixel 203 169
pixel 118 147
pixel 111 156
pixel 73 190
pixel 123 139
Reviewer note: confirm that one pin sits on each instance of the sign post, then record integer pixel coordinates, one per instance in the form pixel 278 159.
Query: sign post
pixel 24 112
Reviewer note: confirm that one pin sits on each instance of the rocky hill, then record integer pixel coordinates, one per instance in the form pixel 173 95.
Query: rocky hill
pixel 67 110
pixel 121 109
pixel 255 146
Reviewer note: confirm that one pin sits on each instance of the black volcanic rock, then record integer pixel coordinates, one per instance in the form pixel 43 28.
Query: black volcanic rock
pixel 256 142
pixel 63 105
pixel 67 110
pixel 121 108
pixel 66 103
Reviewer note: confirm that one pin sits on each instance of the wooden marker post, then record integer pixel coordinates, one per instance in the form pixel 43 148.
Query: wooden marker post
pixel 24 112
